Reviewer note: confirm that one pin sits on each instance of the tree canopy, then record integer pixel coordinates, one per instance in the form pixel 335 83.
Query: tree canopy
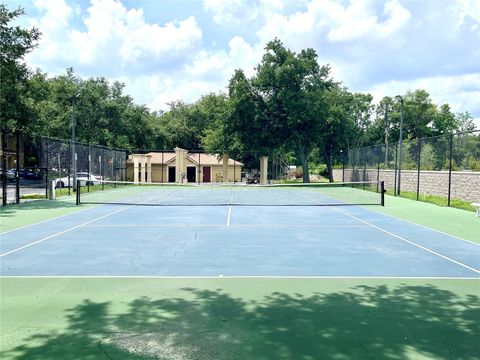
pixel 291 105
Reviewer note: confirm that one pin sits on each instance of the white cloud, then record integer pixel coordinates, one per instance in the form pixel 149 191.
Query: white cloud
pixel 208 72
pixel 380 47
pixel 335 22
pixel 469 8
pixel 357 21
pixel 233 11
pixel 115 39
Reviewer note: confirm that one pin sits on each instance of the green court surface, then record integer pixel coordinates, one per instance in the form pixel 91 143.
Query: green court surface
pixel 54 318
pixel 457 222
pixel 16 216
pixel 340 318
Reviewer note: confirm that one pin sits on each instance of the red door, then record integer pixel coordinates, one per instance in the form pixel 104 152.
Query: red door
pixel 206 173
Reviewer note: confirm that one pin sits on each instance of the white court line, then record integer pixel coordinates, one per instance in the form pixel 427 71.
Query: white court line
pixel 229 215
pixel 230 210
pixel 237 277
pixel 424 226
pixel 61 232
pixel 411 242
pixel 224 225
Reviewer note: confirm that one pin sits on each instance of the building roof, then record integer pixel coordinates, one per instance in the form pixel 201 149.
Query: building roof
pixel 193 157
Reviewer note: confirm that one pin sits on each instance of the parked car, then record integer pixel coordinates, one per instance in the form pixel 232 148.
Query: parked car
pixel 84 176
pixel 253 179
pixel 11 175
pixel 30 174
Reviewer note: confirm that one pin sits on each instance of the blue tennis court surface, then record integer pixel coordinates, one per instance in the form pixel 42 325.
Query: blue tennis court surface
pixel 211 241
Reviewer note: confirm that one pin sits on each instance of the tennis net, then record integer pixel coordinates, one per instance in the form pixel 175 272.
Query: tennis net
pixel 168 194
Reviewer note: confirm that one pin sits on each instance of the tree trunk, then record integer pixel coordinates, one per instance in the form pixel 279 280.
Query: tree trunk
pixel 304 159
pixel 330 171
pixel 328 160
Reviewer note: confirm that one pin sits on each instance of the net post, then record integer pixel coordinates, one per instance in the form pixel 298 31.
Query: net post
pixel 78 192
pixel 382 193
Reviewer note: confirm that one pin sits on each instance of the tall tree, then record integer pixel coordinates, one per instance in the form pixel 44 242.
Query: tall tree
pixel 291 87
pixel 15 42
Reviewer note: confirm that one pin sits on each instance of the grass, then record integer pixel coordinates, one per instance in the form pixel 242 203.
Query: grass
pixel 59 192
pixel 32 196
pixel 435 199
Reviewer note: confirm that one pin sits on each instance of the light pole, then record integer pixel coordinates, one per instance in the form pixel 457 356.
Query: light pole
pixel 400 144
pixel 74 140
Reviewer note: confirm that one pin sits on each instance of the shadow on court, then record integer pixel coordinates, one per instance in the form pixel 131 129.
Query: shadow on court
pixel 366 322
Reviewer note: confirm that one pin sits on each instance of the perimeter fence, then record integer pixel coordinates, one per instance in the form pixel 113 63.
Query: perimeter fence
pixel 443 169
pixel 30 162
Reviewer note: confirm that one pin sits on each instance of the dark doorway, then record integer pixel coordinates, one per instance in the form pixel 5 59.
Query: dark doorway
pixel 190 174
pixel 171 174
pixel 206 173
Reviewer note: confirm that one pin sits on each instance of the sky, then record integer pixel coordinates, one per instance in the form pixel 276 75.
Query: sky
pixel 179 50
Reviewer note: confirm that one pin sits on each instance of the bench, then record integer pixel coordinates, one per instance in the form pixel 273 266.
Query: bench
pixel 477 205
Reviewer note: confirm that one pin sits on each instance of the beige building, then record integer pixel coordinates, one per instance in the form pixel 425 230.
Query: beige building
pixel 182 166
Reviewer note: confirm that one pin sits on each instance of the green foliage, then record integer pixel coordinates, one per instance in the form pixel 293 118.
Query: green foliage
pixel 318 169
pixel 282 108
pixel 15 43
pixel 290 106
pixel 473 163
pixel 435 199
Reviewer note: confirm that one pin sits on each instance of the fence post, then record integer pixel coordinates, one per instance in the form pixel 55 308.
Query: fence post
pixel 419 151
pixel 378 173
pixel 450 169
pixel 78 187
pixel 70 163
pixel 395 176
pixel 382 193
pixel 364 170
pixel 103 165
pixel 163 167
pixel 89 169
pixel 46 170
pixel 4 167
pixel 343 165
pixel 17 169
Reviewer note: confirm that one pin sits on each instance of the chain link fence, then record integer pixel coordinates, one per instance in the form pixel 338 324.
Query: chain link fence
pixel 29 163
pixel 442 169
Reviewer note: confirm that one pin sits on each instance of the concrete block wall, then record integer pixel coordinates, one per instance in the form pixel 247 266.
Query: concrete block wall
pixel 465 184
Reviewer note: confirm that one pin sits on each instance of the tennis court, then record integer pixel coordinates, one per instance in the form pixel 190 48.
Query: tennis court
pixel 202 272
pixel 207 231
